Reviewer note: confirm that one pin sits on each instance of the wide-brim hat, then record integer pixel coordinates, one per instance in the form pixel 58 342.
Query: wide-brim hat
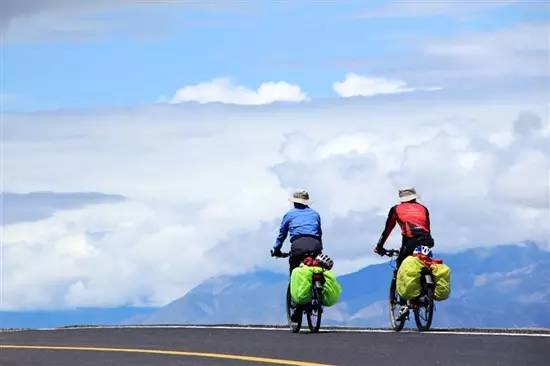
pixel 407 194
pixel 301 196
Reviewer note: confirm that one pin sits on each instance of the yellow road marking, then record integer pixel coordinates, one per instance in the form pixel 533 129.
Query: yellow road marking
pixel 275 361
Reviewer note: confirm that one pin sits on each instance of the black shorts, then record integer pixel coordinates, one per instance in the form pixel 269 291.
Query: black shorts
pixel 409 244
pixel 301 248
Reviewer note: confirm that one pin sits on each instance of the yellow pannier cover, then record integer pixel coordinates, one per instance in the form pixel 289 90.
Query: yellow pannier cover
pixel 408 277
pixel 442 278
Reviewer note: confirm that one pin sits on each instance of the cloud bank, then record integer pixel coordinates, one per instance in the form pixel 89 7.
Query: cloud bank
pixel 357 85
pixel 206 186
pixel 40 205
pixel 223 90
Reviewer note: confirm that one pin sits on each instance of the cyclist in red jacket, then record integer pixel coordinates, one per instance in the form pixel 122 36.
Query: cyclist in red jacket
pixel 414 220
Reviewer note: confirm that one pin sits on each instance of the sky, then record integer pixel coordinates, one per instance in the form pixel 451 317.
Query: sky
pixel 148 146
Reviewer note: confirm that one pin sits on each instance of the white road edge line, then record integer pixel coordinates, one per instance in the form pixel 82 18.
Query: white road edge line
pixel 330 330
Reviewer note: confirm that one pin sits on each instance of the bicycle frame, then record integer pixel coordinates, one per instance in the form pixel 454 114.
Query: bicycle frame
pixel 426 283
pixel 317 283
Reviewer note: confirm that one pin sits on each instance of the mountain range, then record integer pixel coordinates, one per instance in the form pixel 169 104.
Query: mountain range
pixel 501 286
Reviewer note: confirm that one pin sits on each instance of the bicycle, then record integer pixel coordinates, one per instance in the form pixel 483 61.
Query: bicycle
pixel 422 305
pixel 313 309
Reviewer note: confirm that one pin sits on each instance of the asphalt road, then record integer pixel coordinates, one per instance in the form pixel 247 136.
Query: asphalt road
pixel 228 347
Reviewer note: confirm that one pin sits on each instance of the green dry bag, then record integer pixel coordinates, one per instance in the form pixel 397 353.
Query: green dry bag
pixel 408 277
pixel 442 278
pixel 331 289
pixel 300 284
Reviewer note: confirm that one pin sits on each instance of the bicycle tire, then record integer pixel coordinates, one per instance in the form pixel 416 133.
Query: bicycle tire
pixel 294 326
pixel 423 323
pixel 393 305
pixel 314 314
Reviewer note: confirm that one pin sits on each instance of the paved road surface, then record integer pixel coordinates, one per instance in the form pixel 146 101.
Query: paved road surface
pixel 229 347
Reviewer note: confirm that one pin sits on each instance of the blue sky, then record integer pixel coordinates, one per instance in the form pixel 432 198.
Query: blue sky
pixel 128 53
pixel 150 137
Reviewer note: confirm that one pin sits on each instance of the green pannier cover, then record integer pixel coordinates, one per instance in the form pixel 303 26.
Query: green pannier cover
pixel 442 278
pixel 408 277
pixel 300 285
pixel 331 289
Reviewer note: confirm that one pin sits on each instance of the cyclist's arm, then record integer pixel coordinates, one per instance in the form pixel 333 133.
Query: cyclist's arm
pixel 428 219
pixel 283 232
pixel 390 224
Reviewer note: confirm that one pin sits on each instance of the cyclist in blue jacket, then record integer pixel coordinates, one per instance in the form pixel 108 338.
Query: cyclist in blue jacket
pixel 303 224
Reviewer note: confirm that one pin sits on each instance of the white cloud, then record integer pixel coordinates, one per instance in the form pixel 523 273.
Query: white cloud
pixel 358 85
pixel 207 186
pixel 223 90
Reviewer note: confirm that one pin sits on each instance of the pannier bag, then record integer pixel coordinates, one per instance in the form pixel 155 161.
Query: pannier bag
pixel 301 281
pixel 331 289
pixel 442 278
pixel 408 277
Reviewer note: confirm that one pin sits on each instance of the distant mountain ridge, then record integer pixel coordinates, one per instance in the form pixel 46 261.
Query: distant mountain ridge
pixel 245 299
pixel 503 286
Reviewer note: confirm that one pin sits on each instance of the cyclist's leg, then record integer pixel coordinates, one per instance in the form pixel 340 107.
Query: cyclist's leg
pixel 294 261
pixel 407 248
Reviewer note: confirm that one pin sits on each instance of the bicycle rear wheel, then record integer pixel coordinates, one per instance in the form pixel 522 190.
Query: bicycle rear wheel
pixel 423 314
pixel 397 322
pixel 290 308
pixel 314 314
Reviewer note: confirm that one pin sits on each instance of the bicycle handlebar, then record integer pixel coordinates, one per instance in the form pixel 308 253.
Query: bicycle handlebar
pixel 391 252
pixel 280 254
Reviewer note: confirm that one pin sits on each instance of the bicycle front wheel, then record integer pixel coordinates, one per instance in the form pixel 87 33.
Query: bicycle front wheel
pixel 291 308
pixel 396 320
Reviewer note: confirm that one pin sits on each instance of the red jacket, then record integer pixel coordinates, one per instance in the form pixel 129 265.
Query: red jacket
pixel 412 217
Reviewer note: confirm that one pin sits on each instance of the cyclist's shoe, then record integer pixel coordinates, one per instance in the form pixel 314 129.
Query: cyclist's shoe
pixel 403 312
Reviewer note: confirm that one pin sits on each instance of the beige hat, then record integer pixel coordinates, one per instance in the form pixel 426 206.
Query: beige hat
pixel 300 196
pixel 407 194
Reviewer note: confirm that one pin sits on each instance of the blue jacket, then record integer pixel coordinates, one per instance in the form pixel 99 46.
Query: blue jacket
pixel 298 222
